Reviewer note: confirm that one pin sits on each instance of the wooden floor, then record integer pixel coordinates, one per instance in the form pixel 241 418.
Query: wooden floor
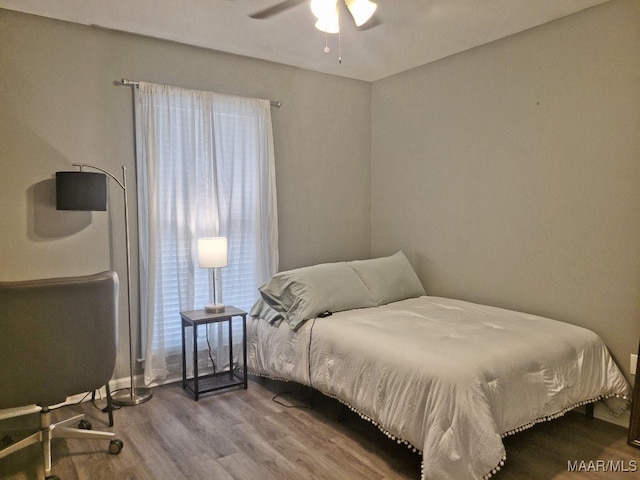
pixel 245 435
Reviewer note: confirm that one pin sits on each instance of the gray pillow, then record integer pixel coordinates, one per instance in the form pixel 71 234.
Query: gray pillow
pixel 262 310
pixel 301 294
pixel 389 279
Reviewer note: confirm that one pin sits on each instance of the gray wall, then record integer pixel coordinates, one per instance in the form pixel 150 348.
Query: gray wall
pixel 58 106
pixel 510 174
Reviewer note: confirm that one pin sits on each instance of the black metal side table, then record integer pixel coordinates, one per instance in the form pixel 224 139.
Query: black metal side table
pixel 218 380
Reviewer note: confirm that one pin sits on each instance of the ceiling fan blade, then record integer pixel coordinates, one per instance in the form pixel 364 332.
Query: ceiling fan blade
pixel 275 9
pixel 371 23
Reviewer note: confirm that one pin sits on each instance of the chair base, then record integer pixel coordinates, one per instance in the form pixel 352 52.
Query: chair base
pixel 48 431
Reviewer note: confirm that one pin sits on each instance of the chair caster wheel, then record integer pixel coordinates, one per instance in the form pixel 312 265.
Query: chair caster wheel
pixel 115 446
pixel 85 425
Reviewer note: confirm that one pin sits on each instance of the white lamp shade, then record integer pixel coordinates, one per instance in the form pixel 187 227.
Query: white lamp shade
pixel 326 11
pixel 323 8
pixel 212 252
pixel 328 25
pixel 361 10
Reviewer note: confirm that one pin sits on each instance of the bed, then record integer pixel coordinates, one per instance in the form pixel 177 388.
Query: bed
pixel 447 377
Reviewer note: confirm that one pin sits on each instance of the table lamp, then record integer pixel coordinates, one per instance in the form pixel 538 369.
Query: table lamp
pixel 212 253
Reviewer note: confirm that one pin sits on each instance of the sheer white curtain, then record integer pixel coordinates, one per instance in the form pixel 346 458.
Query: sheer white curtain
pixel 205 167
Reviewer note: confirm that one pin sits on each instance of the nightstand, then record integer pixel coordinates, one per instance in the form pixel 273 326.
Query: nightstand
pixel 219 380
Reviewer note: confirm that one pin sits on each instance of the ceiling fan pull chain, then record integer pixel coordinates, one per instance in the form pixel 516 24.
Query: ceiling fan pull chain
pixel 339 48
pixel 326 43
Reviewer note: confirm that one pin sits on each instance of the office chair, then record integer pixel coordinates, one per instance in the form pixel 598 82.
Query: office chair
pixel 57 339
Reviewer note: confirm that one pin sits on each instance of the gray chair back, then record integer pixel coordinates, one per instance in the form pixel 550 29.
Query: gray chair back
pixel 57 338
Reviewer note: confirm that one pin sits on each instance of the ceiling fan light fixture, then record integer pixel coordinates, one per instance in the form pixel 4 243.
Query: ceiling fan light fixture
pixel 361 10
pixel 324 8
pixel 326 11
pixel 328 25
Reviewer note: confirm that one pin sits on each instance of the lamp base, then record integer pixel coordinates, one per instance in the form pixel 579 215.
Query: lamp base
pixel 214 308
pixel 127 397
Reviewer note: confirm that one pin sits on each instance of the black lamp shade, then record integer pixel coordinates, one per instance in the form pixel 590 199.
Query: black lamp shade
pixel 81 191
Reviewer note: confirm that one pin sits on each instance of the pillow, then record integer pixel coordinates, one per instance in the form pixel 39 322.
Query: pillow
pixel 304 293
pixel 389 279
pixel 262 310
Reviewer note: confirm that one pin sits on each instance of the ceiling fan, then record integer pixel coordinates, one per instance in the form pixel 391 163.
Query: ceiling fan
pixel 326 12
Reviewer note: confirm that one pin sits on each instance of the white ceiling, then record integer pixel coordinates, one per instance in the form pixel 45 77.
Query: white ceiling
pixel 405 33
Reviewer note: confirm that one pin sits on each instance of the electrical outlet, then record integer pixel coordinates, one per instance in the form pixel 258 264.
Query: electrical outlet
pixel 633 364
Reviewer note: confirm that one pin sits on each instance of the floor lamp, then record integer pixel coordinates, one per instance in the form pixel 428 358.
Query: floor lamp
pixel 81 190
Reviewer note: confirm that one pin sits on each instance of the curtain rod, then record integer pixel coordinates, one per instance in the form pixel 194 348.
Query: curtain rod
pixel 130 83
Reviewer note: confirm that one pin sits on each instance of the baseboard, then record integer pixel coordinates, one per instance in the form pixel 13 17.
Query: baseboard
pixel 125 382
pixel 117 384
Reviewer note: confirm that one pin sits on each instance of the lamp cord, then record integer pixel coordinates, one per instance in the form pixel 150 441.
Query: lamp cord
pixel 210 354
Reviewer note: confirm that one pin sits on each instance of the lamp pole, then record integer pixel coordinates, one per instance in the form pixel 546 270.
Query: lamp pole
pixel 132 395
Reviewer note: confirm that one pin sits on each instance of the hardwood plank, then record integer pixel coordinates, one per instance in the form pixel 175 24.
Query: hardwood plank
pixel 243 435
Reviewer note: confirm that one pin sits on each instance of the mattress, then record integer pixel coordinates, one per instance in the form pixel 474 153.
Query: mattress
pixel 447 377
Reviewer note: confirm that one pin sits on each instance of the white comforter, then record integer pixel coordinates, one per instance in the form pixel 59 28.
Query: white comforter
pixel 449 377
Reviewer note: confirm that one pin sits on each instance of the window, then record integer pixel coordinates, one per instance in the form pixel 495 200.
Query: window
pixel 205 167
